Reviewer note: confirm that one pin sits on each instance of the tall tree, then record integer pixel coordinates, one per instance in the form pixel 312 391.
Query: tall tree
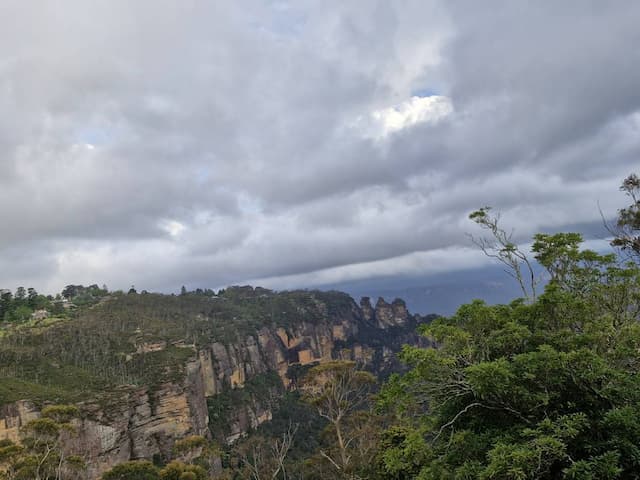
pixel 266 459
pixel 21 293
pixel 339 390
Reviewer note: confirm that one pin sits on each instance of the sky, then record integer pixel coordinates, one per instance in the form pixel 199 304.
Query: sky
pixel 303 143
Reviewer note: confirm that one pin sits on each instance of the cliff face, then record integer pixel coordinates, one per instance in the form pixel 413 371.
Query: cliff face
pixel 131 424
pixel 358 334
pixel 369 336
pixel 252 370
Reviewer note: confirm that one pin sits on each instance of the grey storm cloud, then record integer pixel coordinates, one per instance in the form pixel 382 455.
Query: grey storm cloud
pixel 301 143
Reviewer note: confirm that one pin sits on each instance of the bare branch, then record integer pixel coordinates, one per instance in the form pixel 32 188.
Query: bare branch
pixel 501 248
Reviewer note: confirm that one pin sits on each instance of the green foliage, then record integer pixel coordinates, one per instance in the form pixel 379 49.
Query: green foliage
pixel 136 470
pixel 102 343
pixel 18 308
pixel 60 413
pixel 175 470
pixel 81 295
pixel 340 393
pixel 42 452
pixel 182 471
pixel 188 444
pixel 337 387
pixel 539 391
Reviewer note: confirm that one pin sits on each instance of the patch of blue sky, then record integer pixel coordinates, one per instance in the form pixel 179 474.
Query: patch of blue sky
pixel 426 92
pixel 249 204
pixel 92 136
pixel 202 174
pixel 284 21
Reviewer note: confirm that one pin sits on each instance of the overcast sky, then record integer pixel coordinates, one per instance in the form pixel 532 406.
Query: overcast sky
pixel 304 143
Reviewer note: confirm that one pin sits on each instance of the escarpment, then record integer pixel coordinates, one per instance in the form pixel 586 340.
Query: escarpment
pixel 158 368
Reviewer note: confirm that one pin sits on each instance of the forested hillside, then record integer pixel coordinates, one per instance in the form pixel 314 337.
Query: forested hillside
pixel 145 371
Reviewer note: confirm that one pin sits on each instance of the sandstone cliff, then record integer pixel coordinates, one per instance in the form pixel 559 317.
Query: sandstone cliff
pixel 133 422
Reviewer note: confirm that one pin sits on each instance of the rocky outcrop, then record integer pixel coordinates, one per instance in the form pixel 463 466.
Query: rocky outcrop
pixel 368 312
pixel 385 315
pixel 391 315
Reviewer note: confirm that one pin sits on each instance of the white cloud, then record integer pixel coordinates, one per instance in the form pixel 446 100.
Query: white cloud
pixel 383 122
pixel 290 141
pixel 172 227
pixel 415 110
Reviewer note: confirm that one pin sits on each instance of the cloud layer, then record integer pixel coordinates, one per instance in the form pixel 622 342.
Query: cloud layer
pixel 162 143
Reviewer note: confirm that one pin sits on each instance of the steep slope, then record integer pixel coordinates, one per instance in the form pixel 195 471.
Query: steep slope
pixel 149 369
